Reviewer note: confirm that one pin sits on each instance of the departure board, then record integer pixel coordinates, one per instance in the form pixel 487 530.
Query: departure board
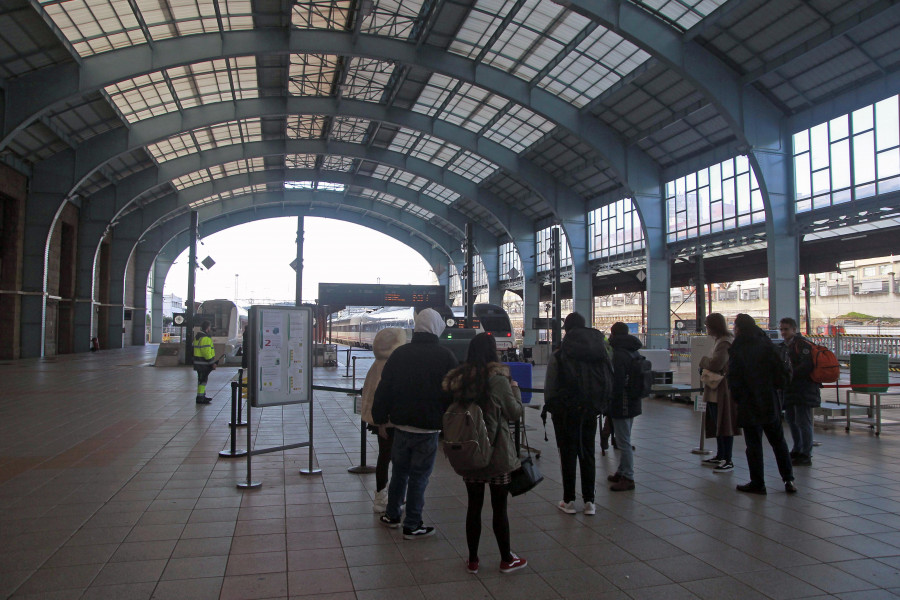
pixel 375 294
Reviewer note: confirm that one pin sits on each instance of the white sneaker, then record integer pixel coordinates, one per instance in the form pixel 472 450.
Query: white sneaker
pixel 590 508
pixel 380 503
pixel 567 507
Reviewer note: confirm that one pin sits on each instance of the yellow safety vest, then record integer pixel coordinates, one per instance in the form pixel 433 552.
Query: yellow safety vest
pixel 204 352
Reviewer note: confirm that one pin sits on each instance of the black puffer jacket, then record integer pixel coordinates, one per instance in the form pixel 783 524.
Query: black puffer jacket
pixel 624 348
pixel 753 364
pixel 410 389
pixel 581 344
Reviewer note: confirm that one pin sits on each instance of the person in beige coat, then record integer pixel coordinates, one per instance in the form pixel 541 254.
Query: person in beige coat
pixel 721 413
pixel 483 380
pixel 385 342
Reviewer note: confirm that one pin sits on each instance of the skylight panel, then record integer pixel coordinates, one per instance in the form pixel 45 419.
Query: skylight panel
pixel 321 14
pixel 305 127
pixel 142 97
pixel 419 211
pixel 471 107
pixel 328 186
pixel 237 167
pixel 684 14
pixel 519 129
pixel 299 185
pixel 473 167
pixel 174 18
pixel 392 18
pixel 300 161
pixel 337 163
pixel 601 60
pixel 312 74
pixel 349 129
pixel 208 82
pixel 94 26
pixel 205 138
pixel 241 191
pixel 481 23
pixel 441 193
pixel 177 145
pixel 367 79
pixel 419 145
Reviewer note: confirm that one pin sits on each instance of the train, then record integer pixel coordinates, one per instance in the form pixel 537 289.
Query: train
pixel 228 322
pixel 359 329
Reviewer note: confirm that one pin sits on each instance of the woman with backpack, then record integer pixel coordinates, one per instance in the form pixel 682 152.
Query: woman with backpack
pixel 484 381
pixel 721 413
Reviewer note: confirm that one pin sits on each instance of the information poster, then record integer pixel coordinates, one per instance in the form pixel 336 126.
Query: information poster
pixel 280 355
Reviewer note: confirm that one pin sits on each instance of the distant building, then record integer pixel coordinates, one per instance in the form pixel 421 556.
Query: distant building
pixel 172 304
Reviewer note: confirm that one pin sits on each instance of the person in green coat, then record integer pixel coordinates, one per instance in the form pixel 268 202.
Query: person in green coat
pixel 204 360
pixel 482 379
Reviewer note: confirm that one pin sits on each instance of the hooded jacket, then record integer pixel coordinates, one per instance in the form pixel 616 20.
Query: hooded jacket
pixel 385 342
pixel 410 391
pixel 751 376
pixel 580 344
pixel 624 347
pixel 802 390
pixel 503 405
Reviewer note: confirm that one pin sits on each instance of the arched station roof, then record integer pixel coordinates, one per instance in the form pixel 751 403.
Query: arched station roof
pixel 512 114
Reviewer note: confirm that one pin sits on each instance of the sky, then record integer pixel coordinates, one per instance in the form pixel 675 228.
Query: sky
pixel 260 254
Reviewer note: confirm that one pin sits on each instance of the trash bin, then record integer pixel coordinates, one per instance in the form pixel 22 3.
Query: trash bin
pixel 329 355
pixel 869 369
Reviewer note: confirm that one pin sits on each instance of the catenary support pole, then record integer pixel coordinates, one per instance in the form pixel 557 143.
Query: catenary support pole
pixel 192 274
pixel 557 302
pixel 298 294
pixel 470 274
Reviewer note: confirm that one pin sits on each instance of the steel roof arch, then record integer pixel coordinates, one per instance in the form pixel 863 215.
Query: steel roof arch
pixel 34 94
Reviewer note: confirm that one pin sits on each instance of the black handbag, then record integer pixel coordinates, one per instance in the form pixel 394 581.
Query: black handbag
pixel 526 477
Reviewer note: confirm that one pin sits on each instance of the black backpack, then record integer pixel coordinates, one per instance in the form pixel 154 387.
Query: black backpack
pixel 590 383
pixel 640 377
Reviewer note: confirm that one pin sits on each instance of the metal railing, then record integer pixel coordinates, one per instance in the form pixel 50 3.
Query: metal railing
pixel 844 345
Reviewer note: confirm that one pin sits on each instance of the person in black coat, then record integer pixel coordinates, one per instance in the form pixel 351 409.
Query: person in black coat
pixel 410 396
pixel 755 371
pixel 623 408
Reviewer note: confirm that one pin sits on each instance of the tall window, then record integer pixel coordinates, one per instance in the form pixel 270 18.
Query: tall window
pixel 718 198
pixel 544 262
pixel 614 229
pixel 510 263
pixel 854 156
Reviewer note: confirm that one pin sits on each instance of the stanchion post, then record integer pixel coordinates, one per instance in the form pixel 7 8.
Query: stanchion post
pixel 311 470
pixel 700 449
pixel 235 386
pixel 249 484
pixel 240 422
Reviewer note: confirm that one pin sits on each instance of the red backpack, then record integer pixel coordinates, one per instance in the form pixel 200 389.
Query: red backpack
pixel 826 368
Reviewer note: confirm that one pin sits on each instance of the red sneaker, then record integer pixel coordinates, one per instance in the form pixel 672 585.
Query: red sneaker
pixel 472 566
pixel 515 564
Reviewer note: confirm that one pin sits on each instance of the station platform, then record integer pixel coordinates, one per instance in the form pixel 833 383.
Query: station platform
pixel 112 487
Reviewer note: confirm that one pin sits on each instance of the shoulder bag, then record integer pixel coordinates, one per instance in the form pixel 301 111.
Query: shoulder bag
pixel 711 379
pixel 526 477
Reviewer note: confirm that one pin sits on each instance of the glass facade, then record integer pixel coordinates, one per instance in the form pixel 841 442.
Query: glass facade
pixel 542 238
pixel 510 263
pixel 718 198
pixel 852 157
pixel 614 229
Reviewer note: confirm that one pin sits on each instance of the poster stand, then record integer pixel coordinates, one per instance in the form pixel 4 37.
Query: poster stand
pixel 280 373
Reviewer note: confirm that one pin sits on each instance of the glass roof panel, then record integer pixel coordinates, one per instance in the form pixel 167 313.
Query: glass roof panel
pixel 471 107
pixel 299 185
pixel 473 167
pixel 95 26
pixel 300 161
pixel 337 163
pixel 392 18
pixel 312 74
pixel 236 167
pixel 349 129
pixel 684 14
pixel 441 194
pixel 305 127
pixel 250 189
pixel 519 128
pixel 200 83
pixel 328 186
pixel 598 62
pixel 366 79
pixel 205 138
pixel 321 14
pixel 394 175
pixel 426 147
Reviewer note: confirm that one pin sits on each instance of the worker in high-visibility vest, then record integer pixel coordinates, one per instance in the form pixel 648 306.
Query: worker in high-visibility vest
pixel 204 360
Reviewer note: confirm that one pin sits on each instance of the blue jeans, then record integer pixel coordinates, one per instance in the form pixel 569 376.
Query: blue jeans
pixel 413 460
pixel 622 429
pixel 800 421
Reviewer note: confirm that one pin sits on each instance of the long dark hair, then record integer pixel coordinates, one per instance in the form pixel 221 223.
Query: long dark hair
pixel 471 379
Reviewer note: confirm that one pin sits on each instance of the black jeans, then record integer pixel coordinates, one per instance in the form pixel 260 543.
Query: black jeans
pixel 775 434
pixel 575 440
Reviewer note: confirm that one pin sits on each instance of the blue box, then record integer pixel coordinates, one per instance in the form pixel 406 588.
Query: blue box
pixel 521 373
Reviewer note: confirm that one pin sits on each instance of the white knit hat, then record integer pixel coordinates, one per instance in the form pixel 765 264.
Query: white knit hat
pixel 429 321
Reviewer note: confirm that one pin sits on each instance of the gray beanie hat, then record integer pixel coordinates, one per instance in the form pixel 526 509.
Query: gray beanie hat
pixel 429 321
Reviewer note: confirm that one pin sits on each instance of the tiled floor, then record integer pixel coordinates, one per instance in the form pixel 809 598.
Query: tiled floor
pixel 113 488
